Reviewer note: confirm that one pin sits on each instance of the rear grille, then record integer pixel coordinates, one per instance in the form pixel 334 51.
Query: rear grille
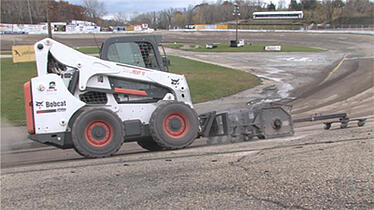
pixel 94 98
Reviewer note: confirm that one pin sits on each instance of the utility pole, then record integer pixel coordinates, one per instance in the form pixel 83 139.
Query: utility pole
pixel 236 14
pixel 49 21
pixel 28 5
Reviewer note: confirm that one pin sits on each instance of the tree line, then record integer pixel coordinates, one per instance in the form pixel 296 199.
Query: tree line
pixel 205 13
pixel 327 11
pixel 315 11
pixel 36 11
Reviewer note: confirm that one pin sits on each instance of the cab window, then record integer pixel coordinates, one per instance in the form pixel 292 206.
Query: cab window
pixel 133 53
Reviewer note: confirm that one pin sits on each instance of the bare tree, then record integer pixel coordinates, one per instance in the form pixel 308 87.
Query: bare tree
pixel 94 9
pixel 120 17
pixel 166 17
pixel 207 12
pixel 260 3
pixel 190 13
pixel 360 7
pixel 328 9
pixel 281 4
pixel 170 15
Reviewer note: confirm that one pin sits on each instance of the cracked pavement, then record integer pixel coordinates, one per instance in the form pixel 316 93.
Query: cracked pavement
pixel 303 172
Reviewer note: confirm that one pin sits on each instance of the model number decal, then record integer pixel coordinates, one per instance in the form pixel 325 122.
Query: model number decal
pixel 133 71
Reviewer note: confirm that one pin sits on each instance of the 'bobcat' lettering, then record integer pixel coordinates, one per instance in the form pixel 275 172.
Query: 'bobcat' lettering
pixel 55 104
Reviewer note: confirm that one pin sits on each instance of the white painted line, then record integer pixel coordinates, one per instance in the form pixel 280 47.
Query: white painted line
pixel 335 69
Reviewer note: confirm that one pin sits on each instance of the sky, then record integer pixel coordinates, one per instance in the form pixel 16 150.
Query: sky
pixel 131 7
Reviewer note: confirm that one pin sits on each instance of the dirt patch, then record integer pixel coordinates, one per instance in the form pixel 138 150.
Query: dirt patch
pixel 190 46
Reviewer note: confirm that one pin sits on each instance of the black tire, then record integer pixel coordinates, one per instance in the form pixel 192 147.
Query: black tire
pixel 97 132
pixel 261 136
pixel 327 126
pixel 344 125
pixel 150 145
pixel 174 125
pixel 361 123
pixel 248 138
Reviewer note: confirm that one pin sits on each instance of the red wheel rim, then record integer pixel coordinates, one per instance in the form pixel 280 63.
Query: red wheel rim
pixel 183 125
pixel 98 133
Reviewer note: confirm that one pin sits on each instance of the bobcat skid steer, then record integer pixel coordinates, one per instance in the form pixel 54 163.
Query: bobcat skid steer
pixel 94 105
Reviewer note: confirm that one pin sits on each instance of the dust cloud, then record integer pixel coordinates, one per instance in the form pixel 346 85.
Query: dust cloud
pixel 12 136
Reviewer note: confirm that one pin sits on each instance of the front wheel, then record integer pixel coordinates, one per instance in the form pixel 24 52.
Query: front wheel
pixel 174 125
pixel 97 132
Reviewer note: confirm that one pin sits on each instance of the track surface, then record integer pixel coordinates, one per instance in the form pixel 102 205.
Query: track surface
pixel 313 169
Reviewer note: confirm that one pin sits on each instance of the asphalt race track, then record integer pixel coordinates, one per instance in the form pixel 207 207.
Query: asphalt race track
pixel 313 169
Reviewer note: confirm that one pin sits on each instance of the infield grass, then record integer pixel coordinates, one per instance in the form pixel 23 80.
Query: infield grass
pixel 89 50
pixel 5 53
pixel 208 81
pixel 13 76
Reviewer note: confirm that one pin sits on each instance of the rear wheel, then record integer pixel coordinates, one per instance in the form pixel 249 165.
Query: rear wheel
pixel 174 125
pixel 97 133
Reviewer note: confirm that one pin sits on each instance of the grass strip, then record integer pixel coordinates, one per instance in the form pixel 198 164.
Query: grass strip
pixel 88 50
pixel 13 76
pixel 5 53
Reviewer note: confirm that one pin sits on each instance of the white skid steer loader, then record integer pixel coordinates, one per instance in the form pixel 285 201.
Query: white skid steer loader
pixel 94 105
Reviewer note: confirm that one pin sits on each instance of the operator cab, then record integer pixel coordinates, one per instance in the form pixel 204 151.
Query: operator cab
pixel 142 51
